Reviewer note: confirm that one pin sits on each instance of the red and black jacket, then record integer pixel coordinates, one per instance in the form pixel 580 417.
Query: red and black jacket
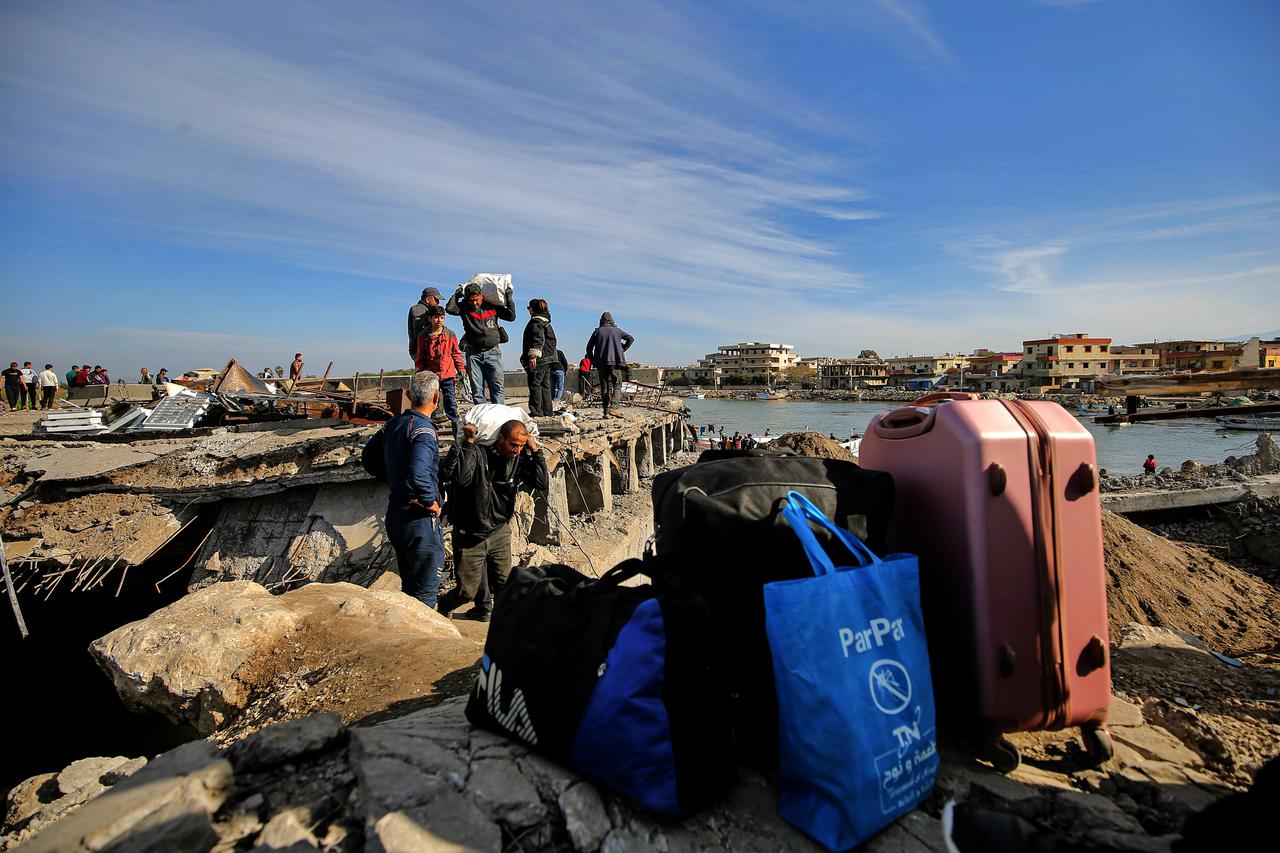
pixel 480 325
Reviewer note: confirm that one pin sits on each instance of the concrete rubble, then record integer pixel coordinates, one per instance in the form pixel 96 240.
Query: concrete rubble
pixel 426 780
pixel 295 504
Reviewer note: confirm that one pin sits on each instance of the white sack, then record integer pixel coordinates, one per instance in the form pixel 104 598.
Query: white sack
pixel 489 418
pixel 493 286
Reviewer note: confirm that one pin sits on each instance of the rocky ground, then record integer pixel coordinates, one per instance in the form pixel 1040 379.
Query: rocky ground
pixel 332 716
pixel 1193 475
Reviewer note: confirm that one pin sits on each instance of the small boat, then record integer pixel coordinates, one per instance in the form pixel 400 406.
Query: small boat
pixel 852 445
pixel 768 395
pixel 1257 423
pixel 697 396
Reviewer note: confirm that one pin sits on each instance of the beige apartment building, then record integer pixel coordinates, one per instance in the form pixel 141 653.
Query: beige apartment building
pixel 849 374
pixel 748 361
pixel 1135 359
pixel 1065 360
pixel 930 365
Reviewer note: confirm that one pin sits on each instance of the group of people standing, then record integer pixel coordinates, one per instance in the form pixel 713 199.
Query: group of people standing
pixel 24 388
pixel 477 355
pixel 475 484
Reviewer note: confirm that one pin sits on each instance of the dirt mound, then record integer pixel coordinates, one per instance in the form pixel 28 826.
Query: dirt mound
pixel 814 444
pixel 1153 581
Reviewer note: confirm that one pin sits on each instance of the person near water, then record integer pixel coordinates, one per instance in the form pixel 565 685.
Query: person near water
pixel 1149 467
pixel 537 355
pixel 481 336
pixel 405 454
pixel 606 349
pixel 438 352
pixel 295 369
pixel 483 482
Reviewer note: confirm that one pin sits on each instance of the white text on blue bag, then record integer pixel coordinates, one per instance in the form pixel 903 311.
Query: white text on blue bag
pixel 872 636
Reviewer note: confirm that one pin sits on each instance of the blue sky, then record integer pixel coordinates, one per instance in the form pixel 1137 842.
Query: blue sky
pixel 182 183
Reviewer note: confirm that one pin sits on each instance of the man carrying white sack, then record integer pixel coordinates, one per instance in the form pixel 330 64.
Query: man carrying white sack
pixel 483 482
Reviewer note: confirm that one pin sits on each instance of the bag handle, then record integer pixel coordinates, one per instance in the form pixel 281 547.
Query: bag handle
pixel 799 511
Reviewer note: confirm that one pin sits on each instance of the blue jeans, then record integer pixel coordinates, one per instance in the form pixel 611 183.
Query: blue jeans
pixel 450 401
pixel 557 384
pixel 484 367
pixel 419 548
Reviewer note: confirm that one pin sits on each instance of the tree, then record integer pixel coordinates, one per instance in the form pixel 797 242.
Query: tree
pixel 869 353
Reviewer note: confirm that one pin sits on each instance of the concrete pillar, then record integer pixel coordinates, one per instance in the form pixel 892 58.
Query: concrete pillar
pixel 680 435
pixel 658 437
pixel 551 511
pixel 644 455
pixel 589 485
pixel 626 478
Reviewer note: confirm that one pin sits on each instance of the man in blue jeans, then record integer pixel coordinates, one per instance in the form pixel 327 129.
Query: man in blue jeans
pixel 481 335
pixel 406 456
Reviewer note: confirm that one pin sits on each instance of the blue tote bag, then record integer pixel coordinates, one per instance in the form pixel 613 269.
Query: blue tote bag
pixel 855 701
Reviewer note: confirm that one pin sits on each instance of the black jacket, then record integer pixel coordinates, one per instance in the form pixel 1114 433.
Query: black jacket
pixel 480 327
pixel 539 340
pixel 483 485
pixel 608 343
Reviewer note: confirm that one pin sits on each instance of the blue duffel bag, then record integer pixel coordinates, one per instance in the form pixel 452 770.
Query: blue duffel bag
pixel 857 747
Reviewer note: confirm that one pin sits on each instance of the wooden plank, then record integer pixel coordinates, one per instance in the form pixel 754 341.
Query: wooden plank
pixel 1203 382
pixel 1174 414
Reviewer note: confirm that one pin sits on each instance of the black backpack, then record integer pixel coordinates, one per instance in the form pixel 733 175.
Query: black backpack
pixel 720 536
pixel 614 681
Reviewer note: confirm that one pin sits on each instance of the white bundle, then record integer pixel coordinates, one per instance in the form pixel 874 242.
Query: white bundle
pixel 488 418
pixel 493 286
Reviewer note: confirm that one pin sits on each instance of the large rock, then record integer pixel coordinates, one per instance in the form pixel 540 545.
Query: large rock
pixel 207 657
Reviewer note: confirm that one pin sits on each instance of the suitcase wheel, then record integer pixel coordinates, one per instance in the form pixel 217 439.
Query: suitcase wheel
pixel 1097 744
pixel 1001 754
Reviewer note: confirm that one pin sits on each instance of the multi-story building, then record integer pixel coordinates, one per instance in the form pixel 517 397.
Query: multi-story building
pixel 748 361
pixel 1138 358
pixel 993 371
pixel 928 364
pixel 848 374
pixel 1269 356
pixel 1065 360
pixel 1192 354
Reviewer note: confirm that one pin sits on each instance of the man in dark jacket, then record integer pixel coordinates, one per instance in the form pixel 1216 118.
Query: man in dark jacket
pixel 483 482
pixel 605 350
pixel 405 455
pixel 418 317
pixel 481 335
pixel 538 355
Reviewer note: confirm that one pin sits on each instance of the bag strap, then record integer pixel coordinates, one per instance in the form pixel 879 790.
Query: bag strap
pixel 799 511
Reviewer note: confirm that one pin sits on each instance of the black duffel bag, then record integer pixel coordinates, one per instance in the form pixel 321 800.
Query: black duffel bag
pixel 720 536
pixel 614 681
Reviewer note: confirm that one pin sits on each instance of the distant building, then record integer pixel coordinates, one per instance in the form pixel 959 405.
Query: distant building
pixel 1134 359
pixel 921 372
pixel 1192 354
pixel 747 362
pixel 1065 361
pixel 993 371
pixel 1269 356
pixel 850 374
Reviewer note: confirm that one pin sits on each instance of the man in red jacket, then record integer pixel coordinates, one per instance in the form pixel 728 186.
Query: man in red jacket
pixel 438 351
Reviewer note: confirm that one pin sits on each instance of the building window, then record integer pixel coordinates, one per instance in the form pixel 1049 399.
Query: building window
pixel 1071 365
pixel 1088 348
pixel 1071 348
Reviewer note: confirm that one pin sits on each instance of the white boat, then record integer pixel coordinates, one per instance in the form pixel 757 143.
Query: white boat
pixel 698 396
pixel 768 395
pixel 1257 423
pixel 852 445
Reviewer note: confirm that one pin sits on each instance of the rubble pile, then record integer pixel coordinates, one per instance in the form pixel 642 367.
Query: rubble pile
pixel 1156 582
pixel 1194 475
pixel 1247 533
pixel 813 444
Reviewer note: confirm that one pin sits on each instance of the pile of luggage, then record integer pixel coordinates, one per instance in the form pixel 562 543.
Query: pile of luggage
pixel 802 615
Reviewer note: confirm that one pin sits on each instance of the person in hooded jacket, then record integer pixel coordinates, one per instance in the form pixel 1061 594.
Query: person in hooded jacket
pixel 606 349
pixel 538 355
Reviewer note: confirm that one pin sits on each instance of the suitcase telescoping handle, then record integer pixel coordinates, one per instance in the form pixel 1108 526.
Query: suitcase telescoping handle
pixel 799 511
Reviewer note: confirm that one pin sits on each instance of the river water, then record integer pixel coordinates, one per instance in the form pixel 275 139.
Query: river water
pixel 1121 449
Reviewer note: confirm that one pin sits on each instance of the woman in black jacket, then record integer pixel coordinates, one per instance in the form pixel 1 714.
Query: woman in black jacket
pixel 537 355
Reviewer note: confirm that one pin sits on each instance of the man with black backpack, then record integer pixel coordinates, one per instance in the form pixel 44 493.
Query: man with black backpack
pixel 483 482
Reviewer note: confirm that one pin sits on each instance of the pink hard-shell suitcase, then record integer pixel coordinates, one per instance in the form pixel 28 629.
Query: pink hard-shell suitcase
pixel 999 498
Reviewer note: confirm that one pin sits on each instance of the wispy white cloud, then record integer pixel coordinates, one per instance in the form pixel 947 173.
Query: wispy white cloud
pixel 915 21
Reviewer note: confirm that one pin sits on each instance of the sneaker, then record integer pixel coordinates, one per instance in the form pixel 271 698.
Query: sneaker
pixel 475 614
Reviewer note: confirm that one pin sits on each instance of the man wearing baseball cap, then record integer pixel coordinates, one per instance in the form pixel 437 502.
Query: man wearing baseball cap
pixel 418 317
